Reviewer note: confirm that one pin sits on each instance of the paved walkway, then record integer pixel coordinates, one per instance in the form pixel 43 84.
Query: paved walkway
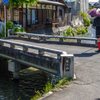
pixel 87 70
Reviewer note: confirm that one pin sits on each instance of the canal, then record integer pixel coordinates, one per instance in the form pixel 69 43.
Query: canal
pixel 31 79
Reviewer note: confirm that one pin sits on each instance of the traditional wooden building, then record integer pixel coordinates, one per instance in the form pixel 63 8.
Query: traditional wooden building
pixel 45 14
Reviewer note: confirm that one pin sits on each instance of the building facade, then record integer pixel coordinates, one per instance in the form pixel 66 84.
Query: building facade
pixel 78 5
pixel 45 14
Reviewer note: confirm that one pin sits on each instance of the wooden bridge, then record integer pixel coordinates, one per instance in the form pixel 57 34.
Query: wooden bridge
pixel 52 58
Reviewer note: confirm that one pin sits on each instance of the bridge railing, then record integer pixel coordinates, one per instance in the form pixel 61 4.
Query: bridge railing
pixel 51 38
pixel 62 64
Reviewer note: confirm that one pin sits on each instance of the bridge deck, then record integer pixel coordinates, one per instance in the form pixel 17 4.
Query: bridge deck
pixel 87 70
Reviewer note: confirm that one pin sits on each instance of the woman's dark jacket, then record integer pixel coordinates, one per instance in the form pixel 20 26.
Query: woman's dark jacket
pixel 96 24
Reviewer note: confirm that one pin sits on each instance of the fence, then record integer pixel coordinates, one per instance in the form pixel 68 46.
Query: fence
pixel 52 38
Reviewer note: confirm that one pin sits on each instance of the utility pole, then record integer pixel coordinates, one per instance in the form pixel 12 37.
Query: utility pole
pixel 5 2
pixel 5 18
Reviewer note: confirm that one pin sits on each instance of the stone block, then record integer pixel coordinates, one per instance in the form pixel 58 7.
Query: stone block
pixel 67 65
pixel 14 66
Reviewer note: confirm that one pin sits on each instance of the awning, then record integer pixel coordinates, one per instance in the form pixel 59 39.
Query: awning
pixel 51 2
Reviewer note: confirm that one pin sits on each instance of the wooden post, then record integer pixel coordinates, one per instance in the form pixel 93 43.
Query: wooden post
pixel 95 41
pixel 25 49
pixel 19 35
pixel 2 43
pixel 29 36
pixel 8 32
pixel 12 46
pixel 58 56
pixel 41 52
pixel 60 39
pixel 78 41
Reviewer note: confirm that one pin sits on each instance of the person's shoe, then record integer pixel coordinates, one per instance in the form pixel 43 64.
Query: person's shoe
pixel 97 51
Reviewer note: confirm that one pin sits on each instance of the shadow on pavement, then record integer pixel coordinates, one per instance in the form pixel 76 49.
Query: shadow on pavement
pixel 86 54
pixel 97 99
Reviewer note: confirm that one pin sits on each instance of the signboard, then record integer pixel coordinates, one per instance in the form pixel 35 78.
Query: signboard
pixel 5 1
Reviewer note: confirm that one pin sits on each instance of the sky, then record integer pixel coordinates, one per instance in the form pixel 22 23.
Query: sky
pixel 93 0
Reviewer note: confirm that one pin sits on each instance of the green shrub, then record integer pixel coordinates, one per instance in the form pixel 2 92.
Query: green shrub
pixel 3 32
pixel 86 28
pixel 73 32
pixel 91 7
pixel 22 29
pixel 70 32
pixel 81 30
pixel 63 81
pixel 9 25
pixel 48 87
pixel 18 29
pixel 38 95
pixel 87 21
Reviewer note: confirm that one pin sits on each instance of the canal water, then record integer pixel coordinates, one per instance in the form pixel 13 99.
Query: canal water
pixel 31 79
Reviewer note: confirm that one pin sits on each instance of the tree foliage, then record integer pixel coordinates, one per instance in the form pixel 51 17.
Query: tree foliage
pixel 18 3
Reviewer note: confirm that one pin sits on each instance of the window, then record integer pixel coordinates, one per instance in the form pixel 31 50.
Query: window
pixel 29 16
pixel 43 6
pixel 60 13
pixel 33 17
pixel 16 15
pixel 49 15
pixel 8 15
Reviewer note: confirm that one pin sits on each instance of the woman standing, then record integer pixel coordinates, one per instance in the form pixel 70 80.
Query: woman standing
pixel 96 24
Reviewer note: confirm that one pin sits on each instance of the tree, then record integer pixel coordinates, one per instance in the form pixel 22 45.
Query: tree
pixel 18 3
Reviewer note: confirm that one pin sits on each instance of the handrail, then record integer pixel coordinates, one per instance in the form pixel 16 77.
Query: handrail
pixel 52 36
pixel 26 46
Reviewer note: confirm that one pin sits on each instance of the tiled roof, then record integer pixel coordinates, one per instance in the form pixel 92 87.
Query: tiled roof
pixel 70 4
pixel 92 3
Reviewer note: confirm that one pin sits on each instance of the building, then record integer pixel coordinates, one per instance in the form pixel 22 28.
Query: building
pixel 77 5
pixel 46 14
pixel 94 4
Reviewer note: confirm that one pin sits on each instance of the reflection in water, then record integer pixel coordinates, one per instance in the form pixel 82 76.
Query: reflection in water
pixel 30 79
